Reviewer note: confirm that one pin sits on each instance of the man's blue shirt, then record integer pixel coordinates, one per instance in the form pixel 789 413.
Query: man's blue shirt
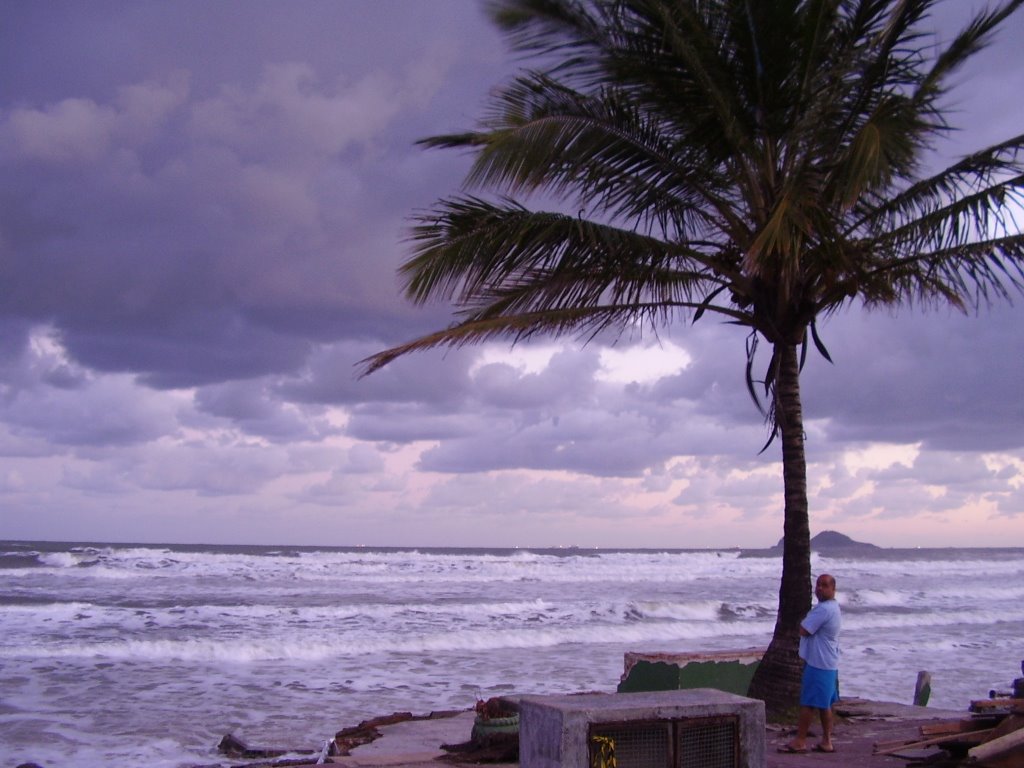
pixel 821 648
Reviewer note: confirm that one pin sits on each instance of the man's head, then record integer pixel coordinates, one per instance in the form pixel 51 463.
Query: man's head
pixel 825 587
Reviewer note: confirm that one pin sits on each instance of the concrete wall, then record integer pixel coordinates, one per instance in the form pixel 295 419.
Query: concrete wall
pixel 729 671
pixel 554 730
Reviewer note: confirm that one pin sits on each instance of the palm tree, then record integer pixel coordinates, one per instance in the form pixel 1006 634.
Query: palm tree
pixel 763 161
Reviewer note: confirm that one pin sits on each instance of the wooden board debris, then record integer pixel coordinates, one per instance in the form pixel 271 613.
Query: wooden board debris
pixel 984 705
pixel 954 726
pixel 1000 752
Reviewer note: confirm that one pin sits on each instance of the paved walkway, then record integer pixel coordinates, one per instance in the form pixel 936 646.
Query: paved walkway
pixel 860 724
pixel 417 743
pixel 412 743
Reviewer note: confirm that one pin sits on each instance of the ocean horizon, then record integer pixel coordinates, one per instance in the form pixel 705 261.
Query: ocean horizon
pixel 7 545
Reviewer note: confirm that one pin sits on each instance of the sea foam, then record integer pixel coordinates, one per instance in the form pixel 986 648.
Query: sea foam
pixel 286 645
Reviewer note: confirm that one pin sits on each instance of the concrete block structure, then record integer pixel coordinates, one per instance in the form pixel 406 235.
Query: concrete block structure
pixel 696 728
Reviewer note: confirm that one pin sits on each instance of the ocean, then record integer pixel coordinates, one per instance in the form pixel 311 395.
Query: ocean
pixel 149 654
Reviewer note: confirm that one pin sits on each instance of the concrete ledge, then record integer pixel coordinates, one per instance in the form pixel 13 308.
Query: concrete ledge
pixel 554 730
pixel 862 724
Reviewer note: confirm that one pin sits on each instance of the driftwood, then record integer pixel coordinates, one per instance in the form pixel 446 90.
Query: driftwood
pixel 989 740
pixel 983 705
pixel 975 737
pixel 1005 750
pixel 1008 725
pixel 955 726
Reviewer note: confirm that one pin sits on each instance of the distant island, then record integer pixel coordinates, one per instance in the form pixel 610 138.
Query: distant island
pixel 834 540
pixel 826 542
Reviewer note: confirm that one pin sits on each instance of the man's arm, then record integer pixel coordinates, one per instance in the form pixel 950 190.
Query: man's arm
pixel 812 621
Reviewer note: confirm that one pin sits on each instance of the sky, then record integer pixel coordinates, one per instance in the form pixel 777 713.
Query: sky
pixel 202 209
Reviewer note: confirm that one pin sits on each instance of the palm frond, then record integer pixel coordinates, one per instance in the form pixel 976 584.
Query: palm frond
pixel 973 38
pixel 577 259
pixel 758 161
pixel 588 322
pixel 964 274
pixel 993 168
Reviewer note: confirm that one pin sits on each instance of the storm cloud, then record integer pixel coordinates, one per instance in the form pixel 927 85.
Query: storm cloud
pixel 202 210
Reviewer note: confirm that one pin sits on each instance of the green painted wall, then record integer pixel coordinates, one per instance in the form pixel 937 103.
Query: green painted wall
pixel 729 676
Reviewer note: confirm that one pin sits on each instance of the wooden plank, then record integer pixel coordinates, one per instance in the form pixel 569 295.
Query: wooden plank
pixel 1009 724
pixel 997 749
pixel 958 738
pixel 980 705
pixel 900 742
pixel 953 726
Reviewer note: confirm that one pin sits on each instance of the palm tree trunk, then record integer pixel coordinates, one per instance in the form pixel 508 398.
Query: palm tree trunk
pixel 777 680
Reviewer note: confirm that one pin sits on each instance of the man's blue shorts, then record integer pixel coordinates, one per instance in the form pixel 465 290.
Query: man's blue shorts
pixel 819 687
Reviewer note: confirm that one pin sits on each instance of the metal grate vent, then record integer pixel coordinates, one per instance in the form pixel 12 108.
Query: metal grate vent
pixel 686 743
pixel 634 745
pixel 708 743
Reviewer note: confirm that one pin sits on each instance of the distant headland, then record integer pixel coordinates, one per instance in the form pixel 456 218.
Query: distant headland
pixel 826 542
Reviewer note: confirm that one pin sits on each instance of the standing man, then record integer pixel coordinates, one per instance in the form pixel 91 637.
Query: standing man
pixel 819 648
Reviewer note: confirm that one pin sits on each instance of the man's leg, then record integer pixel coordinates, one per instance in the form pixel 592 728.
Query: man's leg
pixel 803 725
pixel 826 729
